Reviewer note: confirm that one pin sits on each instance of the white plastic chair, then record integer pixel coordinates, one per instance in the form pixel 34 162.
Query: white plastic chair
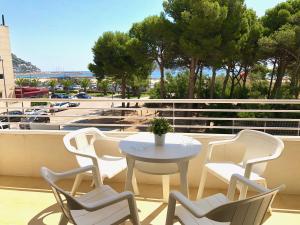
pixel 259 149
pixel 107 166
pixel 220 209
pixel 103 205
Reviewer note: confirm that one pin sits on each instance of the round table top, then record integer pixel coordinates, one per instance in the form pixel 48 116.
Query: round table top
pixel 177 147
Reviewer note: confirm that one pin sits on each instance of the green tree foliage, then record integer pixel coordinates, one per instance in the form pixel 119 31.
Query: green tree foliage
pixel 21 82
pixel 52 83
pixel 85 83
pixel 34 82
pixel 198 23
pixel 281 45
pixel 119 57
pixel 67 83
pixel 103 85
pixel 157 35
pixel 221 35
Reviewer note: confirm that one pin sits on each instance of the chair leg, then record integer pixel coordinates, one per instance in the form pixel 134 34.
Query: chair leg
pixel 76 184
pixel 202 183
pixel 243 192
pixel 171 211
pixel 93 183
pixel 264 183
pixel 135 185
pixel 63 220
pixel 133 211
pixel 166 187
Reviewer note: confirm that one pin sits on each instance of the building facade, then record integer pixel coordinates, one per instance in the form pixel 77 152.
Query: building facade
pixel 7 78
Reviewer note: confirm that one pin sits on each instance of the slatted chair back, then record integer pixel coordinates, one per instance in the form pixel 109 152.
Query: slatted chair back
pixel 65 201
pixel 250 211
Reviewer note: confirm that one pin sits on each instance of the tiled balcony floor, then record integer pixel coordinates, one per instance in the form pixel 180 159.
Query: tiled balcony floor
pixel 29 201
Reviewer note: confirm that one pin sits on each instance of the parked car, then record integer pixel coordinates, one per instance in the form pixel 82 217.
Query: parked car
pixel 82 95
pixel 75 87
pixel 59 87
pixel 60 95
pixel 59 106
pixel 38 118
pixel 4 126
pixel 74 104
pixel 4 118
pixel 35 111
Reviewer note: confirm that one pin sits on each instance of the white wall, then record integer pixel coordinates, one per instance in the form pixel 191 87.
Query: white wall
pixel 22 153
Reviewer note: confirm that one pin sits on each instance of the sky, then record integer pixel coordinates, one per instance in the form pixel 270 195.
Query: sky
pixel 58 35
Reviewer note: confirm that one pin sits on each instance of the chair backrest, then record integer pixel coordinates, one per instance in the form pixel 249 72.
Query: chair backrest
pixel 84 143
pixel 259 144
pixel 60 195
pixel 250 211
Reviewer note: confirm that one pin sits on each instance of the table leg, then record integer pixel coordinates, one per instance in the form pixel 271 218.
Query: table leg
pixel 183 169
pixel 129 175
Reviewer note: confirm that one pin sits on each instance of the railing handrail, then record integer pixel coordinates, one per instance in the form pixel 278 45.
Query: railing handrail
pixel 200 101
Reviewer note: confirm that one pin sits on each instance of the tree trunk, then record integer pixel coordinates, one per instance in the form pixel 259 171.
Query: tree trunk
pixel 297 80
pixel 162 82
pixel 294 85
pixel 213 82
pixel 200 81
pixel 245 78
pixel 232 87
pixel 278 82
pixel 272 78
pixel 128 96
pixel 192 78
pixel 225 82
pixel 123 93
pixel 232 83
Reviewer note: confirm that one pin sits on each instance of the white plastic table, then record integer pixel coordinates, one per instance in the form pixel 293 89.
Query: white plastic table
pixel 178 149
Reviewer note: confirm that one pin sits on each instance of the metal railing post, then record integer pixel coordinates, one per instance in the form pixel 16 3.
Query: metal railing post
pixel 23 107
pixel 173 117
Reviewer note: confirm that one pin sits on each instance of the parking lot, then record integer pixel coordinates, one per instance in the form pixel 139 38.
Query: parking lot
pixel 69 115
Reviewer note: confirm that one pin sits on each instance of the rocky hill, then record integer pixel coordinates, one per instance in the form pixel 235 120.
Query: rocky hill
pixel 21 66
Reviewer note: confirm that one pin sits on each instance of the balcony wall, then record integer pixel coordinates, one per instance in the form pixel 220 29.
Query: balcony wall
pixel 22 153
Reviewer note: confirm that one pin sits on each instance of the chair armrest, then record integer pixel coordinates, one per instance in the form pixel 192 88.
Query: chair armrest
pixel 74 172
pixel 260 160
pixel 212 144
pixel 233 184
pixel 73 150
pixel 251 162
pixel 107 201
pixel 222 142
pixel 187 204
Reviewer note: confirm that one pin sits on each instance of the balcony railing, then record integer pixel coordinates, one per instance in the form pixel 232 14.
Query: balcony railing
pixel 280 117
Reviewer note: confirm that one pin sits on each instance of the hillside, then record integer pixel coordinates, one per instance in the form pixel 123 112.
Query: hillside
pixel 21 66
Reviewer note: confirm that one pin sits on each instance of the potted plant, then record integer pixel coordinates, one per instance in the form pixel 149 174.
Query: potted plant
pixel 159 127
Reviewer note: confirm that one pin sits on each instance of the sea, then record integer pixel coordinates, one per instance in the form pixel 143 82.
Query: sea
pixel 85 74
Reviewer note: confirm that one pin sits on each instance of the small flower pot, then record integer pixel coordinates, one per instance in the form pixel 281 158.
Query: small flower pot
pixel 159 140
